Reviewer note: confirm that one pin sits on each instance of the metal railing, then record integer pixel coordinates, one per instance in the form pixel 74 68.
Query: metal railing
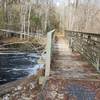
pixel 50 37
pixel 87 44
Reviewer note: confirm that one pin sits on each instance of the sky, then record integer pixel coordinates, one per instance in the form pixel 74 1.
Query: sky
pixel 58 2
pixel 65 2
pixel 61 2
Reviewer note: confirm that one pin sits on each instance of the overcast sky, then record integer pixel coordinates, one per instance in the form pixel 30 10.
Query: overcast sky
pixel 62 2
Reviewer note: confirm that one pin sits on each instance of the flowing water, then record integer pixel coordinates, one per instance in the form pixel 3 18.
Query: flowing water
pixel 14 66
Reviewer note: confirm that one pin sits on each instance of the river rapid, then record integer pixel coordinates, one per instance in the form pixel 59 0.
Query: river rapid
pixel 14 66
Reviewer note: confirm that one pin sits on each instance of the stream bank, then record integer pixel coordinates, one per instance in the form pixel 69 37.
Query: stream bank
pixel 20 69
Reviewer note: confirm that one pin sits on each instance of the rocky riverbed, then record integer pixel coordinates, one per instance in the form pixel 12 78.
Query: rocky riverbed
pixel 25 89
pixel 14 66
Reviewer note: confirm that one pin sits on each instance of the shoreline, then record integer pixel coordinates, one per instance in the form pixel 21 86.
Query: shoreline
pixel 11 87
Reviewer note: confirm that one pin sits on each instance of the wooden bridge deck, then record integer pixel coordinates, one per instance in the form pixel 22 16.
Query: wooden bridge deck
pixel 71 76
pixel 66 63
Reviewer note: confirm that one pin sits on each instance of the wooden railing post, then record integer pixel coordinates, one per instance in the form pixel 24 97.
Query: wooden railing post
pixel 81 43
pixel 49 52
pixel 98 63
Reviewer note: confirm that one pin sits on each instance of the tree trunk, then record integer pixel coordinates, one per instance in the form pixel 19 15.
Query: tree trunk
pixel 29 13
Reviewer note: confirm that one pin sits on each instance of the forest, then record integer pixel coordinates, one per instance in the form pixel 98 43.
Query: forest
pixel 45 46
pixel 28 16
pixel 83 15
pixel 36 16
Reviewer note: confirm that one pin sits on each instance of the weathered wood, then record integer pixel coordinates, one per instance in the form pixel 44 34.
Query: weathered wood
pixel 49 52
pixel 88 44
pixel 15 32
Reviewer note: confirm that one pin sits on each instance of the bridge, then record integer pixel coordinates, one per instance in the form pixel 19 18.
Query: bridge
pixel 72 66
pixel 72 69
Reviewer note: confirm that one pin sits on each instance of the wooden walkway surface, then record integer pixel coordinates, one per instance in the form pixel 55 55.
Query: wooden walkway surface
pixel 70 64
pixel 71 76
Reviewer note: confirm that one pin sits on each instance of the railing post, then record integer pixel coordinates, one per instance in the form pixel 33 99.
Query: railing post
pixel 81 43
pixel 49 53
pixel 98 63
pixel 70 42
pixel 48 57
pixel 73 38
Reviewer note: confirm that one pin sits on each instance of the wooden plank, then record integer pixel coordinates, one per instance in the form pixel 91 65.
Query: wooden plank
pixel 15 32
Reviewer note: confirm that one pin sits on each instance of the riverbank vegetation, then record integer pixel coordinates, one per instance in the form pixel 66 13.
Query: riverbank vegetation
pixel 24 23
pixel 34 44
pixel 28 16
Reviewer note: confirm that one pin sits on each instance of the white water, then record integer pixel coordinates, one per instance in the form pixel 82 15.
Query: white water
pixel 16 66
